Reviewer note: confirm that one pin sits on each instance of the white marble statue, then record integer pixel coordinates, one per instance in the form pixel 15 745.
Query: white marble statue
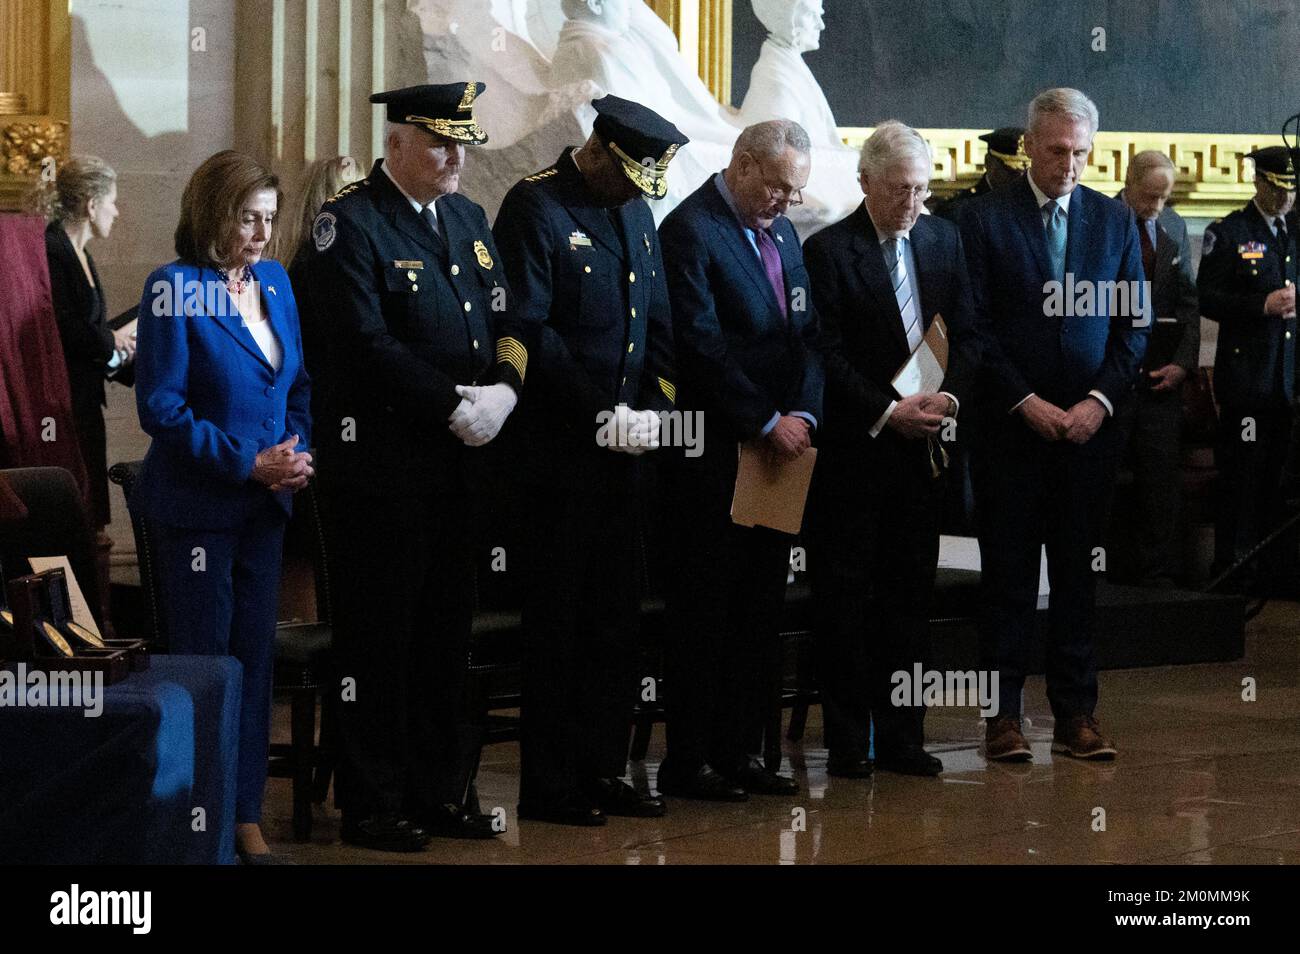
pixel 544 60
pixel 781 86
pixel 625 49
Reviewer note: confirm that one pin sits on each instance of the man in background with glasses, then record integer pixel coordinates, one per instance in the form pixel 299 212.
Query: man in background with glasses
pixel 880 279
pixel 746 338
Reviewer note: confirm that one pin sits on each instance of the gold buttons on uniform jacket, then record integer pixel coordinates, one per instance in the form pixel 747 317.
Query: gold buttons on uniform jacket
pixel 630 346
pixel 631 276
pixel 587 269
pixel 410 276
pixel 455 269
pixel 415 288
pixel 475 344
pixel 1288 336
pixel 468 306
pixel 633 312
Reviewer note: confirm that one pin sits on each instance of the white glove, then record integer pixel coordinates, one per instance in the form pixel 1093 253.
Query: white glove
pixel 634 432
pixel 645 430
pixel 482 411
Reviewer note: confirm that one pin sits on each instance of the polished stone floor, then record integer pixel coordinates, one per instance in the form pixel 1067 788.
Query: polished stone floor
pixel 1203 777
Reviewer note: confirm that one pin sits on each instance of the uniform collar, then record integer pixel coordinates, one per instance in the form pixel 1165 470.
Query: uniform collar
pixel 1268 219
pixel 419 209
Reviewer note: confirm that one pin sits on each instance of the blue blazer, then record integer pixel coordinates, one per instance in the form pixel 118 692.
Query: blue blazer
pixel 208 397
pixel 1027 351
pixel 738 359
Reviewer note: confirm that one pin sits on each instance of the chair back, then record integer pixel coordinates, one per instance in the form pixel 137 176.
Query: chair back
pixel 55 525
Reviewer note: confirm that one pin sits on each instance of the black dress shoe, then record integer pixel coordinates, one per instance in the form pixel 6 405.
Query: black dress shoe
pixel 703 783
pixel 848 767
pixel 570 810
pixel 387 832
pixel 616 797
pixel 753 777
pixel 453 821
pixel 909 760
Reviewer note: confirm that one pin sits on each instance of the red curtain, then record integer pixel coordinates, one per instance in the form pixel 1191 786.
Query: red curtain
pixel 35 402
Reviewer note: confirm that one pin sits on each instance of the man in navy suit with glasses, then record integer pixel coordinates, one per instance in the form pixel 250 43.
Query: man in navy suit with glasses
pixel 746 337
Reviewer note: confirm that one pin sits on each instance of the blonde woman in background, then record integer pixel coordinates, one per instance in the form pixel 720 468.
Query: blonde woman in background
pixel 81 204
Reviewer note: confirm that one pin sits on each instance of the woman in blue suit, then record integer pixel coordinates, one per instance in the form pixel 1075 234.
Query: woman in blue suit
pixel 221 389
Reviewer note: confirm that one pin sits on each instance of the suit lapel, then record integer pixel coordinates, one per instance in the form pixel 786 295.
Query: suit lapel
pixel 225 313
pixel 273 304
pixel 923 245
pixel 1076 224
pixel 1166 252
pixel 875 277
pixel 402 215
pixel 595 223
pixel 1030 219
pixel 733 237
pixel 592 219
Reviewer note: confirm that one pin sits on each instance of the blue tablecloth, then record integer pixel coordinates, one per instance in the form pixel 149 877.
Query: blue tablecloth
pixel 124 787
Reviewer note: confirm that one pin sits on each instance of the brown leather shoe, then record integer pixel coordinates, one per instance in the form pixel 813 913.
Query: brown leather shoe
pixel 1004 742
pixel 1080 737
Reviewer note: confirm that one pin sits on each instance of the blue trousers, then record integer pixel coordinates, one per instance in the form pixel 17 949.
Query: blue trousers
pixel 1030 493
pixel 224 602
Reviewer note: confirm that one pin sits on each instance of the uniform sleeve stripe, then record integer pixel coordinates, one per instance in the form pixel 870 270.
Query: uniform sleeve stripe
pixel 669 389
pixel 511 351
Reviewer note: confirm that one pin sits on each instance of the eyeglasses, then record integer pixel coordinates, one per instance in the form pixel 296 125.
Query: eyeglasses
pixel 791 197
pixel 910 193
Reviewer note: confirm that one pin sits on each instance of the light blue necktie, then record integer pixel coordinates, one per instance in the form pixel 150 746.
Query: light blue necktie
pixel 1055 238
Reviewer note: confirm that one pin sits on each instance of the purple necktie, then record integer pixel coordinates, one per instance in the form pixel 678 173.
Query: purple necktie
pixel 772 265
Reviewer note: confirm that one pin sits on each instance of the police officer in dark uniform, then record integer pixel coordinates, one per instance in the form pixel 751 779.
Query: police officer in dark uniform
pixel 1004 162
pixel 423 364
pixel 587 278
pixel 1247 284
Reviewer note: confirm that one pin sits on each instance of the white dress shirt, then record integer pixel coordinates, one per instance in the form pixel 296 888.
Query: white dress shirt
pixel 909 262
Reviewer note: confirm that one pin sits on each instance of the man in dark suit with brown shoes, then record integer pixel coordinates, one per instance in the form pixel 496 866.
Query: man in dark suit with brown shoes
pixel 1056 276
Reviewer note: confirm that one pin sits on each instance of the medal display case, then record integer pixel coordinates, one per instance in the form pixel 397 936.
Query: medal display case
pixel 38 631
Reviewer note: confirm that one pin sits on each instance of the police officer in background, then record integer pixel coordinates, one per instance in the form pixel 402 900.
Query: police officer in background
pixel 1004 162
pixel 1247 284
pixel 422 368
pixel 587 278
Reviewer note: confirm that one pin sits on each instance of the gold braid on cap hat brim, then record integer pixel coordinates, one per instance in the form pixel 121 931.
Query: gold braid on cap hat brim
pixel 461 130
pixel 1017 160
pixel 1283 180
pixel 652 180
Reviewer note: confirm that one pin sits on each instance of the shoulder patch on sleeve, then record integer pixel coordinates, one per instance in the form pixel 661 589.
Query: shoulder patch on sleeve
pixel 1207 243
pixel 324 230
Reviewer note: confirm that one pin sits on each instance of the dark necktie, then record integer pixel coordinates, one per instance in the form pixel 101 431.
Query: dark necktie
pixel 772 265
pixel 431 219
pixel 1148 251
pixel 1279 224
